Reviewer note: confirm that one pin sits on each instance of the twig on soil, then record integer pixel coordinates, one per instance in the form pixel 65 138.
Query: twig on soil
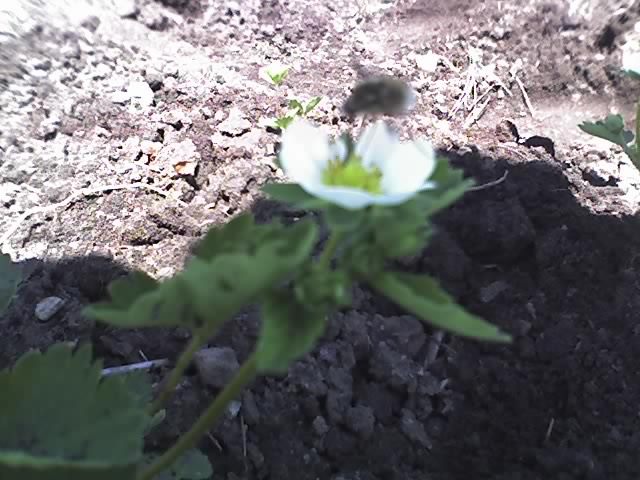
pixel 490 184
pixel 513 150
pixel 515 68
pixel 474 103
pixel 214 441
pixel 243 427
pixel 123 369
pixel 475 115
pixel 84 192
pixel 434 347
pixel 525 95
pixel 549 429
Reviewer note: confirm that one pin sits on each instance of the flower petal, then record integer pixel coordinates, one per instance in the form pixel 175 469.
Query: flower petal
pixel 631 61
pixel 410 165
pixel 304 153
pixel 345 197
pixel 375 145
pixel 339 149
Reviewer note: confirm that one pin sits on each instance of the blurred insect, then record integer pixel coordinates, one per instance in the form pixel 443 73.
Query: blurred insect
pixel 380 95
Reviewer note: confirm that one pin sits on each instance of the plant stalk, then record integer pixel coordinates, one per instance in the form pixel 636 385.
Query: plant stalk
pixel 636 159
pixel 211 415
pixel 171 382
pixel 329 250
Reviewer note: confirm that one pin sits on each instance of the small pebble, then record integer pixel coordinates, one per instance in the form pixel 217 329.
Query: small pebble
pixel 216 366
pixel 48 307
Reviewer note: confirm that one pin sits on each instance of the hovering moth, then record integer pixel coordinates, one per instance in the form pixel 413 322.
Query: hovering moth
pixel 380 95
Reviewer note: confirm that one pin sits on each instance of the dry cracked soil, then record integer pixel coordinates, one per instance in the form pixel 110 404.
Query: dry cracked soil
pixel 99 98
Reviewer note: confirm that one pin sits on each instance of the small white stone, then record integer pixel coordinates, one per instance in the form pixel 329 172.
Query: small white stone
pixel 181 157
pixel 125 8
pixel 235 124
pixel 150 148
pixel 48 307
pixel 120 97
pixel 234 408
pixel 102 71
pixel 428 62
pixel 140 91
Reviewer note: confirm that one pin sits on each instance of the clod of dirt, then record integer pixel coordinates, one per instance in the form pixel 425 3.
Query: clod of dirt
pixel 216 366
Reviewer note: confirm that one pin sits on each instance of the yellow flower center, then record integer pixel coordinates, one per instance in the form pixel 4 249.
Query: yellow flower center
pixel 352 173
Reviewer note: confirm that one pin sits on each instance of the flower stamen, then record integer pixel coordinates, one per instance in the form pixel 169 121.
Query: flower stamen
pixel 352 173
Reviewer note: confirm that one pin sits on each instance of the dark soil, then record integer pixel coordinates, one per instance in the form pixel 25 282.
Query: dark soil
pixel 551 254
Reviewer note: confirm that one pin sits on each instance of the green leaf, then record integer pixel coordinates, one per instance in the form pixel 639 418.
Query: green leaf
pixel 61 421
pixel 278 78
pixel 289 331
pixel 311 104
pixel 138 382
pixel 166 305
pixel 323 289
pixel 296 105
pixel 451 185
pixel 343 220
pixel 126 290
pixel 611 129
pixel 228 283
pixel 210 290
pixel 156 420
pixel 632 74
pixel 293 194
pixel 284 121
pixel 231 237
pixel 423 297
pixel 10 276
pixel 193 465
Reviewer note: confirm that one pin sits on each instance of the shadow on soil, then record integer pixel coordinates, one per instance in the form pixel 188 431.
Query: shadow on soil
pixel 560 402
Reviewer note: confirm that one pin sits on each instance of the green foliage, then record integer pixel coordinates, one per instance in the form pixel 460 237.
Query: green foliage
pixel 232 266
pixel 289 331
pixel 138 383
pixel 296 109
pixel 301 109
pixel 61 421
pixel 10 277
pixel 278 78
pixel 193 465
pixel 293 194
pixel 612 129
pixel 423 297
pixel 450 186
pixel 632 74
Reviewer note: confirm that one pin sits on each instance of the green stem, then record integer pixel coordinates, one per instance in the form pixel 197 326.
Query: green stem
pixel 329 250
pixel 174 378
pixel 637 133
pixel 243 377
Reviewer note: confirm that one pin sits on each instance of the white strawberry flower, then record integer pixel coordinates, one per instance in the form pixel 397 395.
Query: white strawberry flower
pixel 380 170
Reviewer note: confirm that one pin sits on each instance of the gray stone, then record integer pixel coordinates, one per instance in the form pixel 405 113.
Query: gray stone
pixel 320 426
pixel 361 421
pixel 216 366
pixel 491 291
pixel 179 158
pixel 48 307
pixel 414 429
pixel 236 124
